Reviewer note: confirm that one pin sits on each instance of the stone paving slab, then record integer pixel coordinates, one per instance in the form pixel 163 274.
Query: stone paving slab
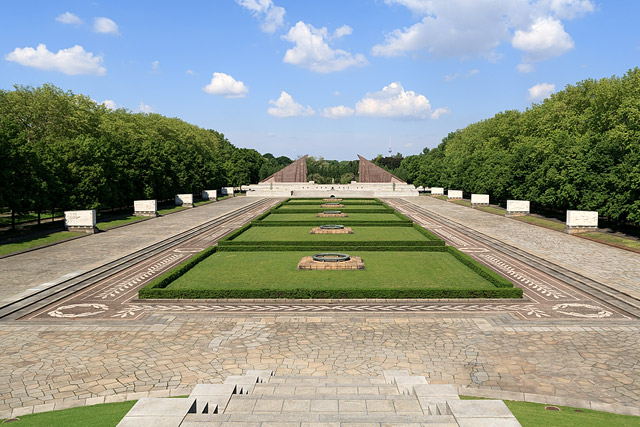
pixel 28 270
pixel 614 267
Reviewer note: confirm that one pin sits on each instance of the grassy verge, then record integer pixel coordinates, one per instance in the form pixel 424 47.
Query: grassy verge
pixel 171 209
pixel 37 241
pixel 466 203
pixel 442 197
pixel 542 222
pixel 535 415
pixel 105 225
pixel 281 234
pixel 31 216
pixel 493 210
pixel 613 240
pixel 105 415
pixel 292 217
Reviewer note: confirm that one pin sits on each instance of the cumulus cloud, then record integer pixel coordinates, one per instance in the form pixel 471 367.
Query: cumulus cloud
pixel 144 108
pixel 465 28
pixel 190 72
pixel 74 60
pixel 337 112
pixel 155 65
pixel 395 102
pixel 546 38
pixel 285 106
pixel 525 68
pixel 312 49
pixel 69 18
pixel 541 91
pixel 105 25
pixel 270 15
pixel 110 104
pixel 224 85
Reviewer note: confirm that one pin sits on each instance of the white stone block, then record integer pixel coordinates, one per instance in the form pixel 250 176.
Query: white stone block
pixel 210 194
pixel 145 206
pixel 454 194
pixel 479 199
pixel 184 199
pixel 227 191
pixel 521 206
pixel 80 218
pixel 437 191
pixel 582 219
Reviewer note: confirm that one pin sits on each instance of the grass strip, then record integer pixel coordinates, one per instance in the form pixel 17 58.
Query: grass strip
pixel 531 414
pixel 53 237
pixel 612 239
pixel 493 210
pixel 105 225
pixel 542 222
pixel 466 203
pixel 104 415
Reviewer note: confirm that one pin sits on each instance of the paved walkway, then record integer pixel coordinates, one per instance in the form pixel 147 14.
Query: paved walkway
pixel 24 271
pixel 612 266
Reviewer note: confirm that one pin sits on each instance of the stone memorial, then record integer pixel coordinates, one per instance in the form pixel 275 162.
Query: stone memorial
pixel 479 200
pixel 454 194
pixel 84 221
pixel 210 194
pixel 227 191
pixel 437 191
pixel 145 208
pixel 517 208
pixel 185 200
pixel 581 221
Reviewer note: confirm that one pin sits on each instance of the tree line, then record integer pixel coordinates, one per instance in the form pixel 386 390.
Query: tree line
pixel 61 150
pixel 578 149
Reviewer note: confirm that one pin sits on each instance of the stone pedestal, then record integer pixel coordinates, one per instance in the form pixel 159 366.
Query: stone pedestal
pixel 581 222
pixel 210 194
pixel 517 208
pixel 227 191
pixel 332 215
pixel 307 263
pixel 81 221
pixel 185 200
pixel 318 230
pixel 437 191
pixel 454 194
pixel 479 200
pixel 145 208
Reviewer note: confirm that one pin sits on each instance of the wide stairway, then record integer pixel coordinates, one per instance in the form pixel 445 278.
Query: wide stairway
pixel 260 399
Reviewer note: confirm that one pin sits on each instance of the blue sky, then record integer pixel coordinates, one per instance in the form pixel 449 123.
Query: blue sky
pixel 319 77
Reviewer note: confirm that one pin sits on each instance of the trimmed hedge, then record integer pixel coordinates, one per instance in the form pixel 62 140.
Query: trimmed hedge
pixel 345 209
pixel 330 246
pixel 491 276
pixel 324 221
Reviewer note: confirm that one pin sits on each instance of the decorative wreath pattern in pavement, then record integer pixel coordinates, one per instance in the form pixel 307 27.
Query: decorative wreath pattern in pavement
pixel 545 296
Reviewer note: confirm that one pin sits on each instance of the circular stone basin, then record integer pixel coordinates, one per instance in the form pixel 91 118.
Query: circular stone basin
pixel 331 212
pixel 331 257
pixel 332 227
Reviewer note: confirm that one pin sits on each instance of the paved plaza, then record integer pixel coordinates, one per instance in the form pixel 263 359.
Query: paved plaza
pixel 560 344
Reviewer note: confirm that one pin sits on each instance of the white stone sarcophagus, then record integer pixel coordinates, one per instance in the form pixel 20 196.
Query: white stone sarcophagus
pixel 84 221
pixel 210 194
pixel 479 200
pixel 454 194
pixel 581 221
pixel 185 200
pixel 517 207
pixel 145 208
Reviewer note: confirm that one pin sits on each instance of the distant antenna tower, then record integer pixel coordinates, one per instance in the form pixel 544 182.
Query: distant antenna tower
pixel 389 146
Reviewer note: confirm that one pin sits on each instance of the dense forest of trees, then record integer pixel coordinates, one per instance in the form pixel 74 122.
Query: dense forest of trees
pixel 578 149
pixel 62 150
pixel 323 171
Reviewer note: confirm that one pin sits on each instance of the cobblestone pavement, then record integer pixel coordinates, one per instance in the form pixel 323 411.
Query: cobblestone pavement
pixel 612 266
pixel 21 272
pixel 164 351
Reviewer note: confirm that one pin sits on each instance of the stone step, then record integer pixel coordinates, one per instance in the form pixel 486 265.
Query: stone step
pixel 324 388
pixel 297 419
pixel 310 380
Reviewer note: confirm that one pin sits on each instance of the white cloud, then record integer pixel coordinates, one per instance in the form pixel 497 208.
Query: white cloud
pixel 541 91
pixel 473 72
pixel 110 104
pixel 190 72
pixel 337 112
pixel 272 16
pixel 105 25
pixel 570 9
pixel 439 112
pixel 69 18
pixel 285 106
pixel 546 38
pixel 394 102
pixel 225 85
pixel 144 108
pixel 312 50
pixel 74 60
pixel 452 77
pixel 345 30
pixel 155 65
pixel 525 68
pixel 465 28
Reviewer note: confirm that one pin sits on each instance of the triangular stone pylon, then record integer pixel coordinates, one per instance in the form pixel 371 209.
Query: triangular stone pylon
pixel 295 172
pixel 370 172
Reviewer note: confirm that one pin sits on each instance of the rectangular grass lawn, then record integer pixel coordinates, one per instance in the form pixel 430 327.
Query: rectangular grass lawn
pixel 320 201
pixel 318 208
pixel 275 275
pixel 332 220
pixel 302 234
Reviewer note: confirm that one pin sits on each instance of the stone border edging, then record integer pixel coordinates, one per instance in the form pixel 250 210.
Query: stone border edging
pixel 549 400
pixel 462 390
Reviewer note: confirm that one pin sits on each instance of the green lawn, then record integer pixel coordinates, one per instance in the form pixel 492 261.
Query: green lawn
pixel 320 201
pixel 171 209
pixel 493 210
pixel 277 270
pixel 318 208
pixel 37 241
pixel 360 234
pixel 543 222
pixel 535 415
pixel 350 217
pixel 616 240
pixel 105 225
pixel 31 216
pixel 105 415
pixel 466 203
